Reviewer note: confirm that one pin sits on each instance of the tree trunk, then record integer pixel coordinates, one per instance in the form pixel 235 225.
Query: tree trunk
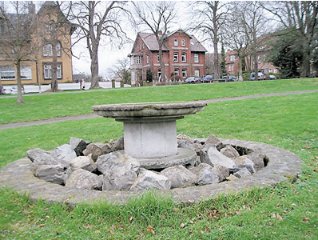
pixel 305 66
pixel 240 78
pixel 162 66
pixel 54 83
pixel 19 83
pixel 217 67
pixel 94 68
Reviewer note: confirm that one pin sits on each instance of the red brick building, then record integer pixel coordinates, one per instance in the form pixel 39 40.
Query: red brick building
pixel 183 56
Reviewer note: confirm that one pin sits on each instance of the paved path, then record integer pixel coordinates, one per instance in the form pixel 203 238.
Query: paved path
pixel 92 115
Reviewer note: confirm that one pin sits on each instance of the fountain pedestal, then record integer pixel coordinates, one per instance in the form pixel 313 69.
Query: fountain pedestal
pixel 150 130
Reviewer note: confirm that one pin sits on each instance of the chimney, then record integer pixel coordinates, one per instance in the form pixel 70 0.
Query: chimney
pixel 31 8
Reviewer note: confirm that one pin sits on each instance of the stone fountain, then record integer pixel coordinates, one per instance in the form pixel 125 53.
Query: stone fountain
pixel 150 133
pixel 150 158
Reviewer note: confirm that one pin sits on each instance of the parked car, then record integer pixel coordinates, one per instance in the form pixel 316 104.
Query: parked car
pixel 193 80
pixel 230 78
pixel 207 78
pixel 260 76
pixel 271 77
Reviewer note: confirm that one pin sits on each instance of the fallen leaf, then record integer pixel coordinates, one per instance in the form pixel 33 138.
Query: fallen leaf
pixel 277 216
pixel 306 219
pixel 182 225
pixel 151 230
pixel 214 214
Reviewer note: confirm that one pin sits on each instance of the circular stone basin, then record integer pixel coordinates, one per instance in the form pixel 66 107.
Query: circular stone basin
pixel 149 111
pixel 282 165
pixel 150 128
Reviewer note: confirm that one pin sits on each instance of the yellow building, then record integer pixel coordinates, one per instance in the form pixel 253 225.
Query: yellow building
pixel 51 41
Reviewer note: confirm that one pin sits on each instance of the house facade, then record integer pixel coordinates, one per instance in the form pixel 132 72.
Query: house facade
pixel 183 56
pixel 37 67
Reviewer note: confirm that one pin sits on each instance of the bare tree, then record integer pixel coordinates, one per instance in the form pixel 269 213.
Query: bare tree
pixel 236 39
pixel 121 71
pixel 96 20
pixel 254 24
pixel 209 19
pixel 156 17
pixel 301 16
pixel 16 38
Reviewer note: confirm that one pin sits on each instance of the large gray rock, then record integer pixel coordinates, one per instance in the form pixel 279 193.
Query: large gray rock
pixel 242 173
pixel 205 174
pixel 257 158
pixel 179 176
pixel 64 154
pixel 150 180
pixel 96 150
pixel 83 162
pixel 117 145
pixel 244 161
pixel 213 141
pixel 222 172
pixel 51 173
pixel 41 157
pixel 84 179
pixel 230 152
pixel 78 145
pixel 119 169
pixel 214 158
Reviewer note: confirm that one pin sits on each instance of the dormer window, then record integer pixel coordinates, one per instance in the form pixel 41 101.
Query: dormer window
pixel 175 43
pixel 183 42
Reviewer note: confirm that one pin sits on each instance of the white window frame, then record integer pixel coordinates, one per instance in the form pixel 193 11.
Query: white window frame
pixel 8 73
pixel 48 71
pixel 184 57
pixel 147 59
pixel 48 50
pixel 175 57
pixel 197 72
pixel 58 49
pixel 232 58
pixel 176 71
pixel 27 72
pixel 138 60
pixel 183 42
pixel 175 42
pixel 196 58
pixel 184 73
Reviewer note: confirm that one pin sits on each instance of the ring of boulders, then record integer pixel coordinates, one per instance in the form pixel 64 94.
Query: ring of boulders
pixel 89 172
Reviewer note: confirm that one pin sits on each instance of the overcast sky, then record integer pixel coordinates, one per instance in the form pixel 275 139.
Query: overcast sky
pixel 108 55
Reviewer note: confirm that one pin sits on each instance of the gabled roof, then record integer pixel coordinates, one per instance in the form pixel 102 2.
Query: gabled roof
pixel 151 42
pixel 196 46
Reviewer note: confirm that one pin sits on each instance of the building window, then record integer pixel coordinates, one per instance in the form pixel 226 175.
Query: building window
pixel 232 58
pixel 175 57
pixel 175 43
pixel 230 67
pixel 159 74
pixel 7 73
pixel 58 49
pixel 196 58
pixel 26 72
pixel 184 72
pixel 48 71
pixel 138 60
pixel 47 50
pixel 147 59
pixel 176 71
pixel 184 57
pixel 183 42
pixel 197 73
pixel 158 58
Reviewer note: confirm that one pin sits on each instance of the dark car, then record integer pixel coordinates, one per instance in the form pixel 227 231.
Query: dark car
pixel 207 78
pixel 193 80
pixel 231 78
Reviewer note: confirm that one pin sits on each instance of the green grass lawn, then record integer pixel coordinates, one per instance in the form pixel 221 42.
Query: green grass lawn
pixel 286 211
pixel 43 106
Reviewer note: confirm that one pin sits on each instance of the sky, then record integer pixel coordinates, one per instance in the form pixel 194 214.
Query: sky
pixel 109 55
